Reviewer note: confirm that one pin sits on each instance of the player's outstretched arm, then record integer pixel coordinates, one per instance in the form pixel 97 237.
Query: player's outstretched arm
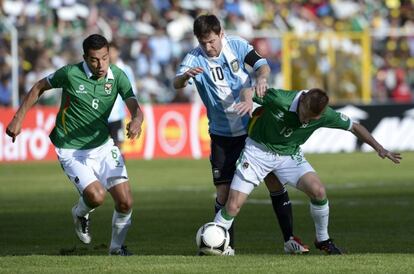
pixel 181 81
pixel 362 133
pixel 15 125
pixel 137 118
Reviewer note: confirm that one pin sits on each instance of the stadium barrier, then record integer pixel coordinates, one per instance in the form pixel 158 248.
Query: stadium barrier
pixel 181 131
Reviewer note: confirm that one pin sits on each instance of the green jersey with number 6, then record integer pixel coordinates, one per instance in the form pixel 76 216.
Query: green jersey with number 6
pixel 276 124
pixel 82 120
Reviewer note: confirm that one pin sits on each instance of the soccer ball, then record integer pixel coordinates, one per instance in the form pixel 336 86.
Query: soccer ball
pixel 212 239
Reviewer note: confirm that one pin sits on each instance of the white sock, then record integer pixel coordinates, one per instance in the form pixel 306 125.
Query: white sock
pixel 320 215
pixel 120 225
pixel 219 219
pixel 82 210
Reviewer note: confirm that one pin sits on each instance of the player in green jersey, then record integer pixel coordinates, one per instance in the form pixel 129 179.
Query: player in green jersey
pixel 81 136
pixel 285 120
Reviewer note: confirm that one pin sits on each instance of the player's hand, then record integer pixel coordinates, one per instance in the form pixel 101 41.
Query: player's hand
pixel 261 87
pixel 393 156
pixel 134 129
pixel 243 108
pixel 14 129
pixel 192 72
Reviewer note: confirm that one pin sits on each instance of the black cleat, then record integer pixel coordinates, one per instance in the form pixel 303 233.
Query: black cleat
pixel 122 251
pixel 328 246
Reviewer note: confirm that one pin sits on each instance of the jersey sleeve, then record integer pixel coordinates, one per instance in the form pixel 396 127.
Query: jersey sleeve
pixel 59 78
pixel 270 99
pixel 124 87
pixel 187 63
pixel 335 119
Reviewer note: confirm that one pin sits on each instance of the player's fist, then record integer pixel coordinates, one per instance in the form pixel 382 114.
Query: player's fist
pixel 13 129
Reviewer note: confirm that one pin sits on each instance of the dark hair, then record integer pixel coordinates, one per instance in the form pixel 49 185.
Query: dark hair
pixel 94 42
pixel 205 24
pixel 317 100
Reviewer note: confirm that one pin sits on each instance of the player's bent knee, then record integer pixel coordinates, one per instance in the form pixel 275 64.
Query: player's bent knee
pixel 319 192
pixel 94 197
pixel 124 206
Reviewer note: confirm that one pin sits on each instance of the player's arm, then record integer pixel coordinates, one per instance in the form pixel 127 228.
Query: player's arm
pixel 181 81
pixel 362 133
pixel 15 125
pixel 246 102
pixel 262 71
pixel 137 118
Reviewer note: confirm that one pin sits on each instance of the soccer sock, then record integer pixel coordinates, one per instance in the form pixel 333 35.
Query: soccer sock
pixel 320 214
pixel 224 219
pixel 283 210
pixel 217 208
pixel 120 225
pixel 82 209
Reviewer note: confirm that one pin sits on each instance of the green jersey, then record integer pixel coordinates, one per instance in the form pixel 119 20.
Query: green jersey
pixel 276 124
pixel 82 120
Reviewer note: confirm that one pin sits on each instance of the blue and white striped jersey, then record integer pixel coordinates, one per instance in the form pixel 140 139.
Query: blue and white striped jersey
pixel 220 83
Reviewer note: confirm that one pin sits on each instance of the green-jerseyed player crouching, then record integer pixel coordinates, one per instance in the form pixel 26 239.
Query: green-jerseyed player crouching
pixel 283 122
pixel 81 137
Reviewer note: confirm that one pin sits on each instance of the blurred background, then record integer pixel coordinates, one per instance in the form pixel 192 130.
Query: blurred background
pixel 360 51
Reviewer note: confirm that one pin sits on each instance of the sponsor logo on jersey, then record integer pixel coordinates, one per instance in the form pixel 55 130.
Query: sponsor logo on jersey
pixel 108 88
pixel 76 180
pixel 235 66
pixel 81 89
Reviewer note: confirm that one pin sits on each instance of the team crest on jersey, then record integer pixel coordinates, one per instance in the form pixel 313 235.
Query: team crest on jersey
pixel 108 88
pixel 245 165
pixel 235 66
pixel 81 89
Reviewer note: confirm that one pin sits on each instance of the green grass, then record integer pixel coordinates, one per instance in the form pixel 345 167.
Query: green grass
pixel 371 200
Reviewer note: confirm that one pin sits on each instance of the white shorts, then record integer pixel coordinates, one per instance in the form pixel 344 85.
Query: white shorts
pixel 256 161
pixel 84 166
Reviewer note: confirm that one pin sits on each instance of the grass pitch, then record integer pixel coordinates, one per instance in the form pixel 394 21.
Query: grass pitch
pixel 371 201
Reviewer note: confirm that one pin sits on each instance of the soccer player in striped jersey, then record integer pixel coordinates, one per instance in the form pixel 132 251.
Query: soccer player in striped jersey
pixel 218 69
pixel 285 121
pixel 81 136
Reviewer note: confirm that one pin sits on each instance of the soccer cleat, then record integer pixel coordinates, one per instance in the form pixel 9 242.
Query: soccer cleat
pixel 81 227
pixel 122 251
pixel 228 252
pixel 328 246
pixel 295 246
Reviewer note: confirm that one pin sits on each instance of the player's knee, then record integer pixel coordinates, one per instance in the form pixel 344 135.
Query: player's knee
pixel 233 208
pixel 124 206
pixel 95 198
pixel 319 192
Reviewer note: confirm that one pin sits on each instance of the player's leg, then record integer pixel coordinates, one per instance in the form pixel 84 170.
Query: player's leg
pixel 92 194
pixel 115 178
pixel 224 153
pixel 121 218
pixel 311 184
pixel 283 210
pixel 281 205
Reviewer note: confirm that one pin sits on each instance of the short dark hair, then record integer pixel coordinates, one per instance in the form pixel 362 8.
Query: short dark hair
pixel 94 42
pixel 317 100
pixel 205 24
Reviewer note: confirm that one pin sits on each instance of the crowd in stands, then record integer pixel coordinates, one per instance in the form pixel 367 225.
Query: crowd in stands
pixel 154 35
